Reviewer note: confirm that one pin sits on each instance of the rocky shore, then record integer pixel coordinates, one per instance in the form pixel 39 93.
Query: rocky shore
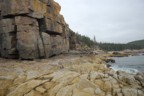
pixel 67 75
pixel 35 30
pixel 125 53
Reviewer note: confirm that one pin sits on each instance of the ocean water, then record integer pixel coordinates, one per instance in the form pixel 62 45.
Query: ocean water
pixel 131 64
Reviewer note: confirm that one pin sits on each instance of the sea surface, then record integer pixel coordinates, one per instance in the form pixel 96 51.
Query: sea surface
pixel 131 64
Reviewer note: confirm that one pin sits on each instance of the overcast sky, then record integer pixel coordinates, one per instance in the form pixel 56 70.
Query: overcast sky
pixel 118 21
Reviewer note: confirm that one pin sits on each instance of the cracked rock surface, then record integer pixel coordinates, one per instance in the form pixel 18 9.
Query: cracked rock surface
pixel 32 29
pixel 67 75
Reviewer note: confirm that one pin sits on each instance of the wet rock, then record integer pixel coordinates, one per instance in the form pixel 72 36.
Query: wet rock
pixel 110 60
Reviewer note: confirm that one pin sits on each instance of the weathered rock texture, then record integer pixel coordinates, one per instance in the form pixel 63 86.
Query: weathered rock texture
pixel 72 40
pixel 75 43
pixel 69 75
pixel 31 29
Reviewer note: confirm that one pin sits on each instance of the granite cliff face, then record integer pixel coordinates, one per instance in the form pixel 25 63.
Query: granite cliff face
pixel 31 29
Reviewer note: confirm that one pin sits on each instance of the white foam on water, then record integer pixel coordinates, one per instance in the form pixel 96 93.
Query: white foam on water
pixel 128 70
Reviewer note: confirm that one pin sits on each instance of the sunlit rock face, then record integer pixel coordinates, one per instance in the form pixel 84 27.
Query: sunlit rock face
pixel 31 29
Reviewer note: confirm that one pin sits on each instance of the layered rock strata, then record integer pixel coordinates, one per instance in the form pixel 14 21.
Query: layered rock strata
pixel 31 29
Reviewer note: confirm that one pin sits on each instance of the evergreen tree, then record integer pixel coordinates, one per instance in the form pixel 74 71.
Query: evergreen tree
pixel 108 46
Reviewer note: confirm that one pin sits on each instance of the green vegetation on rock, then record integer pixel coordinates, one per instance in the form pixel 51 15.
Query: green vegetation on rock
pixel 110 46
pixel 138 43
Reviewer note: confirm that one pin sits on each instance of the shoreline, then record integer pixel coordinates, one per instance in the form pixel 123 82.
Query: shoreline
pixel 129 67
pixel 67 75
pixel 111 62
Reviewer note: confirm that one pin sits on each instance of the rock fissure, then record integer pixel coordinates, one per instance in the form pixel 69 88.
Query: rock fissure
pixel 41 29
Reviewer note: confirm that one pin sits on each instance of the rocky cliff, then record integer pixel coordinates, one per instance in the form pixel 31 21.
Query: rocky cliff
pixel 31 29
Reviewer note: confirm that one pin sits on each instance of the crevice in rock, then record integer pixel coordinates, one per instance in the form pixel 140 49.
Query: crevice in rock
pixel 42 28
pixel 12 16
pixel 15 40
pixel 42 25
pixel 40 57
pixel 52 55
pixel 0 15
pixel 0 44
pixel 26 59
pixel 53 33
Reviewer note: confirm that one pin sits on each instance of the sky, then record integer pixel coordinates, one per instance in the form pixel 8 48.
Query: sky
pixel 114 21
